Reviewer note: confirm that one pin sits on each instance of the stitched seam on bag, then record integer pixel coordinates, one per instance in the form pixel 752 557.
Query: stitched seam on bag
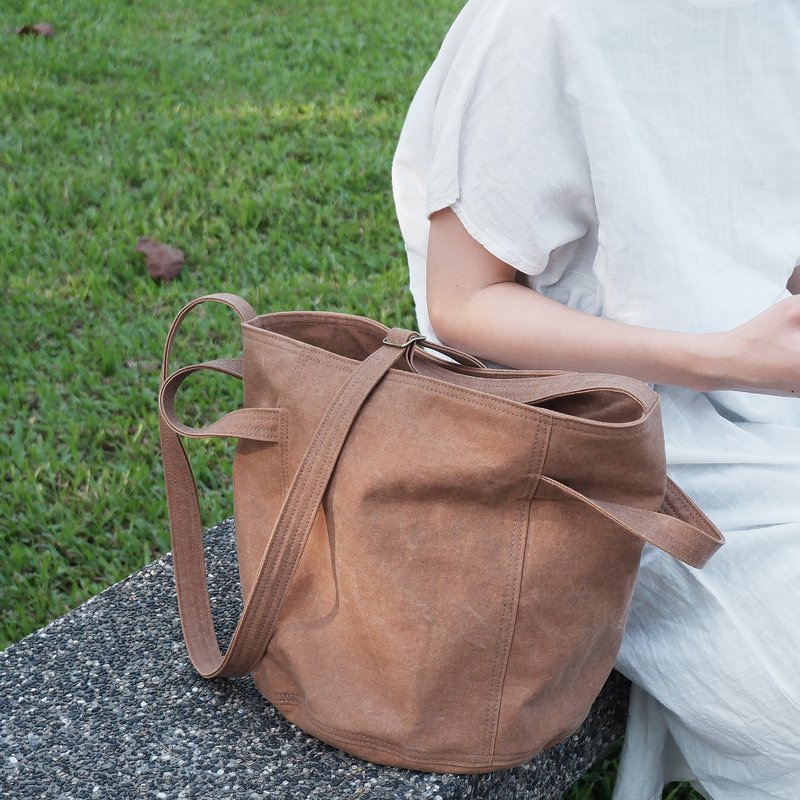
pixel 535 466
pixel 490 725
pixel 341 320
pixel 258 334
pixel 381 744
pixel 262 593
pixel 329 359
pixel 256 415
pixel 671 508
pixel 284 445
pixel 599 433
pixel 433 757
pixel 271 431
pixel 290 381
pixel 473 396
pixel 679 504
pixel 510 604
pixel 500 404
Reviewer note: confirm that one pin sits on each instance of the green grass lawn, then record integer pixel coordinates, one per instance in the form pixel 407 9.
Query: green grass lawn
pixel 256 136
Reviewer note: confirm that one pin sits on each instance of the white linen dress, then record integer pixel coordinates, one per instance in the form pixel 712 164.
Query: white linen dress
pixel 640 160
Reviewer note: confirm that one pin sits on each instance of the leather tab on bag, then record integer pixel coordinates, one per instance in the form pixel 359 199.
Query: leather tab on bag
pixel 399 337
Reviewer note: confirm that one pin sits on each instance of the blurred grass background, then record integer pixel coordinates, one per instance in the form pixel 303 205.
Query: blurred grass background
pixel 257 137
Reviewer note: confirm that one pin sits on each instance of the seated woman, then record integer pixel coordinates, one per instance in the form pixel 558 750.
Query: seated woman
pixel 617 189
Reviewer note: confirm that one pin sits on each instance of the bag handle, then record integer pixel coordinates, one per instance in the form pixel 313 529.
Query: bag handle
pixel 527 386
pixel 691 542
pixel 293 525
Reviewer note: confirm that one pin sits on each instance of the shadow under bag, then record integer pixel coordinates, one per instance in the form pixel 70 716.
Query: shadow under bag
pixel 437 559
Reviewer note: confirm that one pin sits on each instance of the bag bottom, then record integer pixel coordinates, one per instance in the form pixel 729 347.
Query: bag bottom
pixel 378 751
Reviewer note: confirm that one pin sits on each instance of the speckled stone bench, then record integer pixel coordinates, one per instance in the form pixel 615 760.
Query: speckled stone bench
pixel 103 703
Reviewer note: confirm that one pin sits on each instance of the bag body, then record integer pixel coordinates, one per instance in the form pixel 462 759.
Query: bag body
pixel 436 559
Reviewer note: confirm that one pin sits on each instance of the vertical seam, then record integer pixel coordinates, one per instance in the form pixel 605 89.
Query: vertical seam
pixel 284 433
pixel 514 581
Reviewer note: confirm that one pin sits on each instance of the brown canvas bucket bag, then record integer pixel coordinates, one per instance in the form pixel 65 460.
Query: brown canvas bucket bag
pixel 436 558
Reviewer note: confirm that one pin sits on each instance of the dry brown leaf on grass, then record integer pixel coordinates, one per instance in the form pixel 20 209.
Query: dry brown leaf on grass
pixel 163 261
pixel 39 29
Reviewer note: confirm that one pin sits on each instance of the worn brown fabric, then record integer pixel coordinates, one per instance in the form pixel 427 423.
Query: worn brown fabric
pixel 437 559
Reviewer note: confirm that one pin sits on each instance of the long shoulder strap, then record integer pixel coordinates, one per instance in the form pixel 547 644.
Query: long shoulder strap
pixel 184 511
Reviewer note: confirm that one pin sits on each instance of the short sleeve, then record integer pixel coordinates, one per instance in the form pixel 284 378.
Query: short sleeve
pixel 507 151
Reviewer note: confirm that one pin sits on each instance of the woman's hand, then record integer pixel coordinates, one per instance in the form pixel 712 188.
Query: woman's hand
pixel 763 355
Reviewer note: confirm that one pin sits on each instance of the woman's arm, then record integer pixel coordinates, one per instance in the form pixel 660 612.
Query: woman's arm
pixel 475 304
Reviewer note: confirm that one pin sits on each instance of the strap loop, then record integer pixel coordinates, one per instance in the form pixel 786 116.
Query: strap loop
pixel 242 308
pixel 259 424
pixel 694 544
